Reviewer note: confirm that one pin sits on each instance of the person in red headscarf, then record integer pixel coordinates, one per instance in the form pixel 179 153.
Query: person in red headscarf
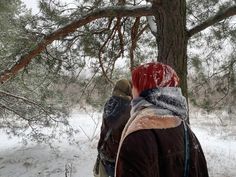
pixel 157 141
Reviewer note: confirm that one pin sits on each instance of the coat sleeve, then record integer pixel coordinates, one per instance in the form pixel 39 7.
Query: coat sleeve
pixel 138 156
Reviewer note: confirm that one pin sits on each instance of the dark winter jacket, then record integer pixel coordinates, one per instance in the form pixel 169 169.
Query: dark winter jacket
pixel 116 114
pixel 152 143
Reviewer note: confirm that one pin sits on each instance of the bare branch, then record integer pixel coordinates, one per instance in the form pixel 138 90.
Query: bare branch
pixel 220 15
pixel 86 86
pixel 142 30
pixel 117 11
pixel 109 38
pixel 134 33
pixel 120 35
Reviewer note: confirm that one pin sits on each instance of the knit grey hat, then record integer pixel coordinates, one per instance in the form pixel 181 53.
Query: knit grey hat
pixel 122 89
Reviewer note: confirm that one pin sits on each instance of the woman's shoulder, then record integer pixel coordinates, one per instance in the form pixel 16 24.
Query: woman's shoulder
pixel 146 122
pixel 114 106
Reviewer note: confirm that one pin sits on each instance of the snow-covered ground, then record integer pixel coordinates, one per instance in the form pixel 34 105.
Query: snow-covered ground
pixel 216 132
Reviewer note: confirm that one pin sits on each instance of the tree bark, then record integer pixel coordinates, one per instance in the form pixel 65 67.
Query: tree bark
pixel 172 37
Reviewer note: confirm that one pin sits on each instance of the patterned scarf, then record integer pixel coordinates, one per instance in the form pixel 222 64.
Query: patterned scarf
pixel 162 101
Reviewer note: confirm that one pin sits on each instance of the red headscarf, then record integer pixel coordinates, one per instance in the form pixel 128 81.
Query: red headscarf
pixel 153 75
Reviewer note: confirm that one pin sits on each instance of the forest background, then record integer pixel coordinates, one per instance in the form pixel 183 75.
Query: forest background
pixel 67 55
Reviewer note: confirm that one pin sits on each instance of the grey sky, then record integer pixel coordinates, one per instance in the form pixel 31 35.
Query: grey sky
pixel 32 4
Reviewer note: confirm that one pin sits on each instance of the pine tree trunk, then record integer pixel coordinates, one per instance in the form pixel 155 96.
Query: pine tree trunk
pixel 171 36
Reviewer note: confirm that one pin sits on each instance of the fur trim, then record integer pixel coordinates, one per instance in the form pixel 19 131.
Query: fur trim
pixel 149 122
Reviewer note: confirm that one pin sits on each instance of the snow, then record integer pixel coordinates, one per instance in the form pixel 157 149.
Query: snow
pixel 41 160
pixel 152 23
pixel 220 154
pixel 217 135
pixel 77 159
pixel 32 5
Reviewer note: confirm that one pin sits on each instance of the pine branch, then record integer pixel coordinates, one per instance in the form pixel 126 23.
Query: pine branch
pixel 117 11
pixel 20 98
pixel 220 15
pixel 26 100
pixel 13 111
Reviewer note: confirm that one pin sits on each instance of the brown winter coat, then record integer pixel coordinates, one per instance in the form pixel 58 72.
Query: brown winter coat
pixel 153 146
pixel 115 115
pixel 115 121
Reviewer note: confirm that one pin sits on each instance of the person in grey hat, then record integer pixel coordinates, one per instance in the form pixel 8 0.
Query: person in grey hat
pixel 115 115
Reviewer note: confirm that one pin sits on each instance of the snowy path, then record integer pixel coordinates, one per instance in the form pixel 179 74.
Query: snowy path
pixel 17 160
